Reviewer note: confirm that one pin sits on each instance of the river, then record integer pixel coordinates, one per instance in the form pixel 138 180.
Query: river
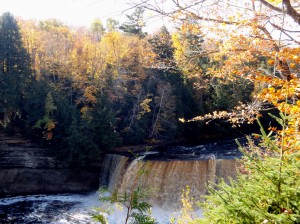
pixel 168 172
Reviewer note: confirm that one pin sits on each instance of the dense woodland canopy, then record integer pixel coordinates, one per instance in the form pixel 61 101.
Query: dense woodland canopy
pixel 84 91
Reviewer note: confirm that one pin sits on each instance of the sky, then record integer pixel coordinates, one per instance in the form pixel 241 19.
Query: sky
pixel 72 12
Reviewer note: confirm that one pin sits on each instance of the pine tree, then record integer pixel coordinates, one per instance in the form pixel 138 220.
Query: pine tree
pixel 267 186
pixel 135 24
pixel 15 72
pixel 162 45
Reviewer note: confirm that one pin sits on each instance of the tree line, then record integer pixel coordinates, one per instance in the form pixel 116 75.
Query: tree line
pixel 84 91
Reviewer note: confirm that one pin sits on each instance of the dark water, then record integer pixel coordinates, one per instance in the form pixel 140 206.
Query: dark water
pixel 48 209
pixel 182 165
pixel 65 209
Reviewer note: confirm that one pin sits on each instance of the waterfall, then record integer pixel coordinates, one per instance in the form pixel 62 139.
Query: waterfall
pixel 112 171
pixel 167 179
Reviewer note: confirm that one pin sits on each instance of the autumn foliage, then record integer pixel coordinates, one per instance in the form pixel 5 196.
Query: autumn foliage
pixel 258 41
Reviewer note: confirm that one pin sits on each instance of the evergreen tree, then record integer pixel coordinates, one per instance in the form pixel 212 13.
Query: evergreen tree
pixel 33 108
pixel 88 135
pixel 266 189
pixel 15 71
pixel 135 24
pixel 167 87
pixel 225 95
pixel 102 124
pixel 162 45
pixel 77 142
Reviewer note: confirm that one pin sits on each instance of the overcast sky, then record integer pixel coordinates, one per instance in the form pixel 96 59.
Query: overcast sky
pixel 71 12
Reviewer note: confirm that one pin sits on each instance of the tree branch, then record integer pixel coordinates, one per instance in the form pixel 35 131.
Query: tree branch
pixel 270 6
pixel 280 28
pixel 289 9
pixel 266 32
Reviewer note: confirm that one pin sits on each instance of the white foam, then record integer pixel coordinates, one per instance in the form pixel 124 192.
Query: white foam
pixel 82 212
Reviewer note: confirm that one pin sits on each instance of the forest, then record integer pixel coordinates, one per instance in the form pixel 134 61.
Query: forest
pixel 84 91
pixel 224 69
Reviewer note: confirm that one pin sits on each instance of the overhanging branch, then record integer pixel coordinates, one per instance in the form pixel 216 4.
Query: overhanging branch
pixel 289 9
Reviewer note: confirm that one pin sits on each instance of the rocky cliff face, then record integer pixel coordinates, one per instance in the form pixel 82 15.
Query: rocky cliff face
pixel 27 169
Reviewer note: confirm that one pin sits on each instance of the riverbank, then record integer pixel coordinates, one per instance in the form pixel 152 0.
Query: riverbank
pixel 28 169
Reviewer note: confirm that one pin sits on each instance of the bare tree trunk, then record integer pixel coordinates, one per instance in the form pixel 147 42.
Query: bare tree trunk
pixel 158 113
pixel 135 111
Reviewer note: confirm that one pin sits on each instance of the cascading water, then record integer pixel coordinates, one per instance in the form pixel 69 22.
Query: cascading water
pixel 113 168
pixel 167 179
pixel 169 172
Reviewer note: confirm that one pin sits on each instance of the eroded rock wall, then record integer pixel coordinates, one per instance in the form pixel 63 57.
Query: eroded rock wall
pixel 27 169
